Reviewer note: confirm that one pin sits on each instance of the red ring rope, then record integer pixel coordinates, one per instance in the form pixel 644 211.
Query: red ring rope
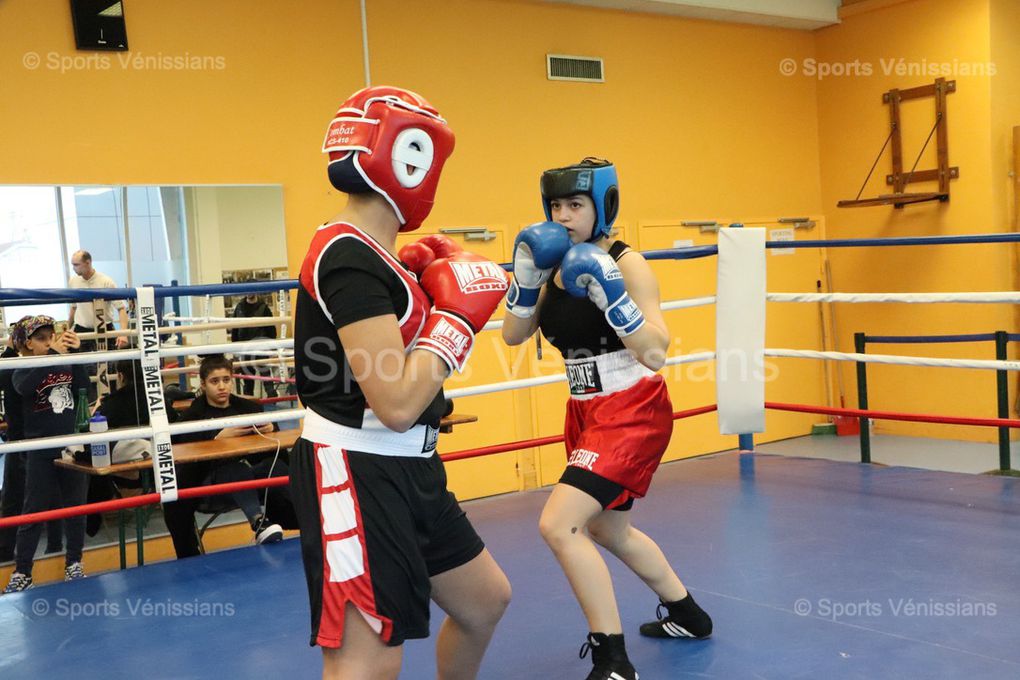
pixel 275 400
pixel 892 415
pixel 230 487
pixel 261 378
pixel 138 501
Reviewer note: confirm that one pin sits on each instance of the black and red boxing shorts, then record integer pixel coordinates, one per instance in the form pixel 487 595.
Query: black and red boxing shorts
pixel 374 529
pixel 618 424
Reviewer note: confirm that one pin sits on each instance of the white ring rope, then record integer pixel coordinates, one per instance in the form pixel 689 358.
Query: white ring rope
pixel 894 359
pixel 271 363
pixel 558 377
pixel 277 416
pixel 979 298
pixel 274 347
pixel 665 306
pixel 145 432
pixel 287 353
pixel 76 358
pixel 688 303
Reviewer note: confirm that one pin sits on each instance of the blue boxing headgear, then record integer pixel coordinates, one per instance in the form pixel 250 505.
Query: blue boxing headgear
pixel 593 177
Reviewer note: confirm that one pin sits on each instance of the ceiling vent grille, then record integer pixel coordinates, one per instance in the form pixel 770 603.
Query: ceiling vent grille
pixel 582 69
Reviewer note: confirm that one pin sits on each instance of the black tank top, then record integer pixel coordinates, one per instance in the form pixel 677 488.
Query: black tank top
pixel 575 326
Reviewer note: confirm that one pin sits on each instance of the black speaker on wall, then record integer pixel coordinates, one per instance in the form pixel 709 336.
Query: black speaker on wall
pixel 99 25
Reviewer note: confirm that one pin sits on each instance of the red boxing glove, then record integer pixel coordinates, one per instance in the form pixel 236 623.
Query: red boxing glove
pixel 417 256
pixel 465 289
pixel 441 245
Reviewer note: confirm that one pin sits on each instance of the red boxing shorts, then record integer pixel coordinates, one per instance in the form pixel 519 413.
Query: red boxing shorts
pixel 374 529
pixel 619 436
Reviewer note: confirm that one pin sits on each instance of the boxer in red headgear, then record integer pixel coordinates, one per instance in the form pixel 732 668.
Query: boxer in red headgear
pixel 393 142
pixel 380 532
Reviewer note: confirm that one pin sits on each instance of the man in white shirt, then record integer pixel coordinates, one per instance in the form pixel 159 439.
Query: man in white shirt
pixel 83 316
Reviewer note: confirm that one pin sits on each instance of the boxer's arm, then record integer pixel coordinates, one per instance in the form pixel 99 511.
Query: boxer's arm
pixel 398 386
pixel 650 343
pixel 516 330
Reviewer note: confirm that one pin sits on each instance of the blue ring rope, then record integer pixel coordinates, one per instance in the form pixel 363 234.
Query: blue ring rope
pixel 11 297
pixel 14 297
pixel 897 241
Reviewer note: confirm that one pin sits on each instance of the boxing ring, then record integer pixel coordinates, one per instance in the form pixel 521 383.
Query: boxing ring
pixel 809 568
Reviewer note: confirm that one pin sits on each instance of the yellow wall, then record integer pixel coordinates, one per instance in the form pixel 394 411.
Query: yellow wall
pixel 1005 24
pixel 853 123
pixel 696 114
pixel 257 120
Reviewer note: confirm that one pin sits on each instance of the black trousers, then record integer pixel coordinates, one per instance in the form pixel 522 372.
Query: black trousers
pixel 12 499
pixel 42 477
pixel 247 387
pixel 180 515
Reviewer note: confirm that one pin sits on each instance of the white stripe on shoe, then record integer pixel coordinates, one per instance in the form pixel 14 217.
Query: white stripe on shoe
pixel 676 631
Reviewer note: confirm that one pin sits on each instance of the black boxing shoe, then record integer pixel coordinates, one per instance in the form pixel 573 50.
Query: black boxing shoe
pixel 609 657
pixel 685 619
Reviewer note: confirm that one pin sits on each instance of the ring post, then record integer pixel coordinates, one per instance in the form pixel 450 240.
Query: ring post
pixel 862 398
pixel 175 303
pixel 745 442
pixel 1002 387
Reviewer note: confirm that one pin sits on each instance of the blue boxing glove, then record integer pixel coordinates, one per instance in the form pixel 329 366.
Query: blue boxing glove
pixel 537 250
pixel 590 271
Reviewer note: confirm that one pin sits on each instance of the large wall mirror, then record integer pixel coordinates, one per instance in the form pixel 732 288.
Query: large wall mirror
pixel 144 235
pixel 141 235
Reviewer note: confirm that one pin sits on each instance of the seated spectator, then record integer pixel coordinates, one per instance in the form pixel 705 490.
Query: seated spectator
pixel 216 400
pixel 48 409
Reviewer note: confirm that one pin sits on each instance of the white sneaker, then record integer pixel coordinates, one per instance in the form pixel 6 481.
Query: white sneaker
pixel 18 583
pixel 74 571
pixel 272 533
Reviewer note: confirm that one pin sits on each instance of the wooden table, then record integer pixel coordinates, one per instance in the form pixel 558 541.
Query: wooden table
pixel 229 447
pixel 195 452
pixel 212 449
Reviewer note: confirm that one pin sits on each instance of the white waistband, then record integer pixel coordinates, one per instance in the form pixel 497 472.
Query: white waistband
pixel 604 374
pixel 371 437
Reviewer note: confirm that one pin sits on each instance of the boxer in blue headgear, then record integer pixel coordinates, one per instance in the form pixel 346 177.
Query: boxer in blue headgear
pixel 592 177
pixel 597 302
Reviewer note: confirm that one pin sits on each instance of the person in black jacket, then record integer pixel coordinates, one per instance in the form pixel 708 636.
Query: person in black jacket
pixel 253 306
pixel 12 496
pixel 126 406
pixel 48 408
pixel 217 400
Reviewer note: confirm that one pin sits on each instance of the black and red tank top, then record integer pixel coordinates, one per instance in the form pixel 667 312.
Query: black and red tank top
pixel 348 276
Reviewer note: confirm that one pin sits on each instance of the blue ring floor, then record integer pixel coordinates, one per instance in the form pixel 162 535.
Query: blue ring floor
pixel 809 568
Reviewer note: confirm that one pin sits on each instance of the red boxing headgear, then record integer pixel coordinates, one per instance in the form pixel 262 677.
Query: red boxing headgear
pixel 393 142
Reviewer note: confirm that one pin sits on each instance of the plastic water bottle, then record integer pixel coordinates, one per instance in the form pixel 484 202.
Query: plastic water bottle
pixel 100 450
